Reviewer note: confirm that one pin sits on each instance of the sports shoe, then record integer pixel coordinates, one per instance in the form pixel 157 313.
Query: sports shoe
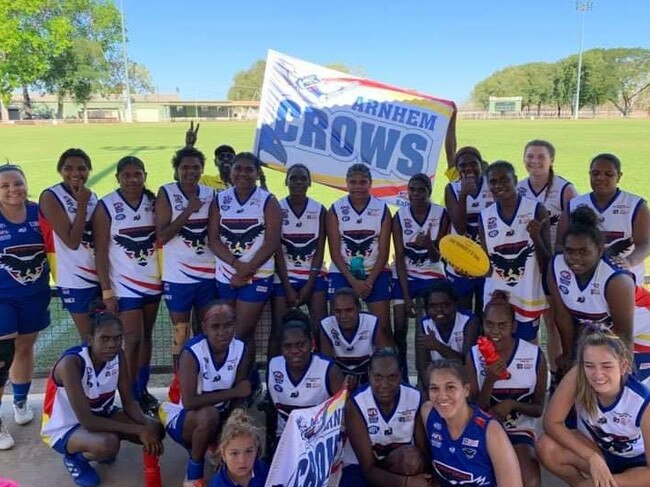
pixel 148 403
pixel 6 441
pixel 80 470
pixel 23 413
pixel 194 483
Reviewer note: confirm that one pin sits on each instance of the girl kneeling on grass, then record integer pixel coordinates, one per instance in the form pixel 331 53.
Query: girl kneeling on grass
pixel 239 450
pixel 611 446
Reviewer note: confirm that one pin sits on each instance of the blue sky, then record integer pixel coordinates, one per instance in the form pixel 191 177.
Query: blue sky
pixel 438 47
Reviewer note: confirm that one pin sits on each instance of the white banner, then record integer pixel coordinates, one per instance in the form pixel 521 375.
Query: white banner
pixel 311 446
pixel 329 120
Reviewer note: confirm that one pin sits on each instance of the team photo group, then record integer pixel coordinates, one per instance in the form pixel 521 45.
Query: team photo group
pixel 469 398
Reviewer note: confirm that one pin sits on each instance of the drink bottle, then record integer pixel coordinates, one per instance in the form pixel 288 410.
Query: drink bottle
pixel 490 354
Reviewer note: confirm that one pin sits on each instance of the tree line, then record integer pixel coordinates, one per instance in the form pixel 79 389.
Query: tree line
pixel 620 76
pixel 68 48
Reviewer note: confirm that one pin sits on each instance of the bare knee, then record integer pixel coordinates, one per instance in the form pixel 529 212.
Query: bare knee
pixel 106 446
pixel 207 420
pixel 25 346
pixel 548 450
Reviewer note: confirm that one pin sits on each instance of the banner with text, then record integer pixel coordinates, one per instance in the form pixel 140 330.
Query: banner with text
pixel 329 120
pixel 311 446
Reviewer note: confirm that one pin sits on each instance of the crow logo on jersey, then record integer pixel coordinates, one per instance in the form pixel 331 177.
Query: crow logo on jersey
pixel 609 442
pixel 195 235
pixel 358 242
pixel 25 263
pixel 417 258
pixel 620 248
pixel 302 253
pixel 509 261
pixel 239 242
pixel 139 243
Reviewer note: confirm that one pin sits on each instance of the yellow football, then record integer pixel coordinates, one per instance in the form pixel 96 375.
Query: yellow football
pixel 464 254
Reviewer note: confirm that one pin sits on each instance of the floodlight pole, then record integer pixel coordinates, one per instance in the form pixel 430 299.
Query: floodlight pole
pixel 581 8
pixel 128 114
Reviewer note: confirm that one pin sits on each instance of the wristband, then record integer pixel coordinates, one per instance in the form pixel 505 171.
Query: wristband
pixel 315 269
pixel 108 294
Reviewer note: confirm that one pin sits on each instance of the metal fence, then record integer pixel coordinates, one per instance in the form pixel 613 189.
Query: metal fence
pixel 62 334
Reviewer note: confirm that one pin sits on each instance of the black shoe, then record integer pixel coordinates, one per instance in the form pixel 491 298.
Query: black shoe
pixel 148 403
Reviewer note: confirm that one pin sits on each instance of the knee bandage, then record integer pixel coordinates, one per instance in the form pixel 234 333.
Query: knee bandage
pixel 7 349
pixel 180 336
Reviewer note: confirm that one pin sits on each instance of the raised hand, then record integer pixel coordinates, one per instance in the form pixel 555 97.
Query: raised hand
pixel 195 203
pixel 468 185
pixel 82 195
pixel 495 370
pixel 534 228
pixel 192 135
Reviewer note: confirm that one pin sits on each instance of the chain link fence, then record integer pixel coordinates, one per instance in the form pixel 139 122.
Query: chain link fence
pixel 62 334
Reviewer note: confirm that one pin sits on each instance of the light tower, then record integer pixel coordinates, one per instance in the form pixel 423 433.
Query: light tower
pixel 582 8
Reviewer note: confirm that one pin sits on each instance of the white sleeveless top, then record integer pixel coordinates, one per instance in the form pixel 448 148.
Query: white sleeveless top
pixel 520 387
pixel 74 269
pixel 514 264
pixel 456 338
pixel 99 388
pixel 186 257
pixel 616 220
pixel 473 207
pixel 310 390
pixel 417 262
pixel 300 237
pixel 353 356
pixel 552 198
pixel 359 230
pixel 132 257
pixel 241 229
pixel 211 376
pixel 616 429
pixel 386 432
pixel 588 304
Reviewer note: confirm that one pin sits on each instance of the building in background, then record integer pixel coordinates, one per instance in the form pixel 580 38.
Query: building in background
pixel 146 108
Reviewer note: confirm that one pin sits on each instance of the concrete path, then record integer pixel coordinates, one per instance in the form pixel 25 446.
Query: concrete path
pixel 32 464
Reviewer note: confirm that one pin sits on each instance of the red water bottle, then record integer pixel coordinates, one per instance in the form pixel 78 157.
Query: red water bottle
pixel 174 392
pixel 151 470
pixel 490 354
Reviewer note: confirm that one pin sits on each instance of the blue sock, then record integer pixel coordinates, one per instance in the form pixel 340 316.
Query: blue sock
pixel 143 377
pixel 20 392
pixel 194 470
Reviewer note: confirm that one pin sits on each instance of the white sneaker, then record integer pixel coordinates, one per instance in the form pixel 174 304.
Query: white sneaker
pixel 6 441
pixel 23 414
